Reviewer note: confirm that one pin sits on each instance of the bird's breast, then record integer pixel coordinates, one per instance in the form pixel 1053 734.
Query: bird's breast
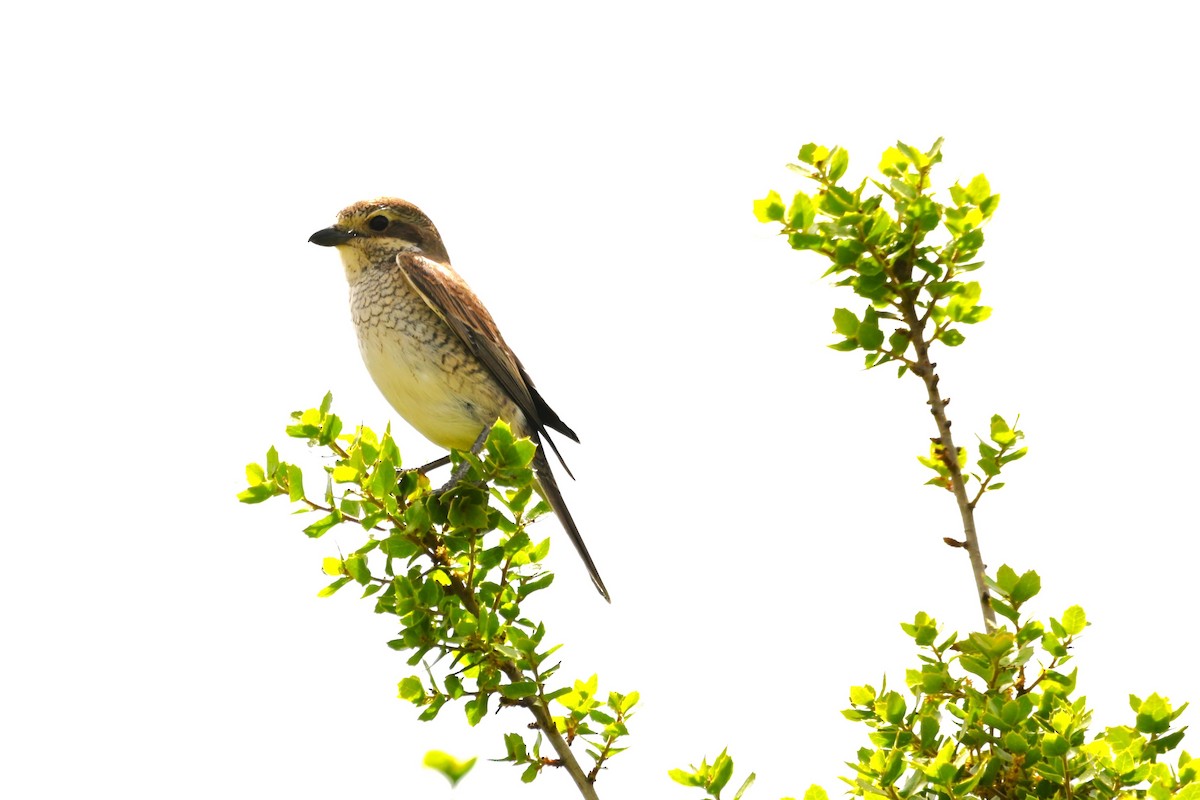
pixel 422 368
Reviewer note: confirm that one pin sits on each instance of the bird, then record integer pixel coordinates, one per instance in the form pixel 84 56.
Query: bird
pixel 433 349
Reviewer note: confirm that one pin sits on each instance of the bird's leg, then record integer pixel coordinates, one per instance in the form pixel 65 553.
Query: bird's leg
pixel 458 474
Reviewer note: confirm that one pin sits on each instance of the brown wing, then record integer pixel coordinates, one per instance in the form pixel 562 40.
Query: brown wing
pixel 455 304
pixel 452 300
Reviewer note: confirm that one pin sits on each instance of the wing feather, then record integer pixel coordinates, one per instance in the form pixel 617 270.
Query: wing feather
pixel 448 296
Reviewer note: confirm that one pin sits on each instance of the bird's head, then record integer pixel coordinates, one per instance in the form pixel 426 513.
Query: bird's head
pixel 375 230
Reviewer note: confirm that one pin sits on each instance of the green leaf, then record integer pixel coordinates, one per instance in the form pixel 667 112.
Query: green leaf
pixel 1001 434
pixel 815 792
pixel 914 155
pixel 770 208
pixel 453 769
pixel 802 212
pixel 869 334
pixel 721 773
pixel 805 241
pixel 1054 745
pixel 323 525
pixel 862 695
pixel 1028 586
pixel 894 163
pixel 295 480
pixel 476 709
pixel 1014 455
pixel 838 163
pixel 356 567
pixel 1154 715
pixel 256 494
pixel 813 153
pixel 893 770
pixel 951 337
pixel 837 201
pixel 746 784
pixel 515 691
pixel 846 252
pixel 333 587
pixel 686 778
pixel 1074 620
pixel 978 190
pixel 891 707
pixel 345 473
pixel 845 322
pixel 410 689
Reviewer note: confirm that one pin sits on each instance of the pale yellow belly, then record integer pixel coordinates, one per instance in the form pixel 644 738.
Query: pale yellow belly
pixel 448 407
pixel 422 368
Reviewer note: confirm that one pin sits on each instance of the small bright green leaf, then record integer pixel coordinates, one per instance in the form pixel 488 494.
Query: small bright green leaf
pixel 515 691
pixel 770 208
pixel 746 784
pixel 256 494
pixel 1054 745
pixel 686 778
pixel 722 772
pixel 838 163
pixel 978 190
pixel 448 765
pixel 356 567
pixel 1074 620
pixel 805 241
pixel 813 153
pixel 951 337
pixel 845 322
pixel 802 212
pixel 323 525
pixel 894 163
pixel 1154 715
pixel 1026 587
pixel 412 690
pixel 476 709
pixel 333 587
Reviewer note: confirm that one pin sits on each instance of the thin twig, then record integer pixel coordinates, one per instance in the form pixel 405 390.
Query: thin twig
pixel 937 407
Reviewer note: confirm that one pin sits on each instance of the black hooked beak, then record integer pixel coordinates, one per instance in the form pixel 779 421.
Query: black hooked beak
pixel 331 237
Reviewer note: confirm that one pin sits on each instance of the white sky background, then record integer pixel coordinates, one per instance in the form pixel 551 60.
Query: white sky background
pixel 752 498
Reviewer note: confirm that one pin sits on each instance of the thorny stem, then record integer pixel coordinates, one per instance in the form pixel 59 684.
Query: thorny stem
pixel 537 706
pixel 937 407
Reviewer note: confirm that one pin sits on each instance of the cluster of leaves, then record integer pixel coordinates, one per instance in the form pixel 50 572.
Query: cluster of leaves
pixel 905 253
pixel 583 710
pixel 992 458
pixel 712 778
pixel 899 249
pixel 993 715
pixel 453 566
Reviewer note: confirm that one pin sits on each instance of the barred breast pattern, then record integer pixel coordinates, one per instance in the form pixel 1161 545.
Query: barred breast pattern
pixel 423 369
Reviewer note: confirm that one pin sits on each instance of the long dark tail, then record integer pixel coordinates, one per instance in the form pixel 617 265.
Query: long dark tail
pixel 549 486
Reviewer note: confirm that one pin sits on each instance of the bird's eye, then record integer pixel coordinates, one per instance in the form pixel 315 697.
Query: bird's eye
pixel 378 222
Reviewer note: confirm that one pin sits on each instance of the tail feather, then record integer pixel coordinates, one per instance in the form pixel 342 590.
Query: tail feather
pixel 549 487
